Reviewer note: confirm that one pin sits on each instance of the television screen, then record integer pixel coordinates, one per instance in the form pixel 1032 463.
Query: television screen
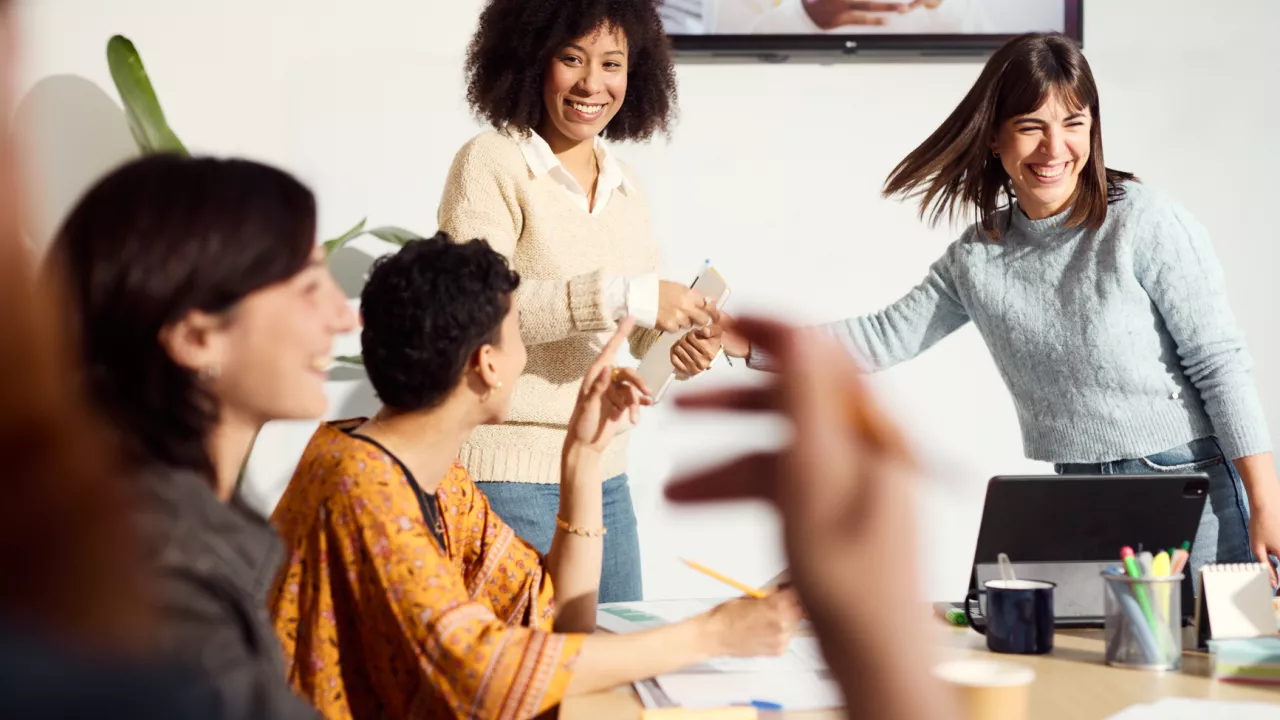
pixel 782 27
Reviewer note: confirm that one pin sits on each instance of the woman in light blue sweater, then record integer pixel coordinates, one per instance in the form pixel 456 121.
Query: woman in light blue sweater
pixel 1101 300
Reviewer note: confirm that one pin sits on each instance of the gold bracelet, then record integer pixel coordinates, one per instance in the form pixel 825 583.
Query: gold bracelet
pixel 583 532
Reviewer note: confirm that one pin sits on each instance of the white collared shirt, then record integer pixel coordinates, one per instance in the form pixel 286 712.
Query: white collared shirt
pixel 635 295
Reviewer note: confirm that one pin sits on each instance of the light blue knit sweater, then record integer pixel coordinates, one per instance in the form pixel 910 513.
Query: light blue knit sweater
pixel 1115 343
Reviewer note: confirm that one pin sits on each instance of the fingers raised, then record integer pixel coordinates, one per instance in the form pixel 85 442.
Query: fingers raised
pixel 604 361
pixel 631 376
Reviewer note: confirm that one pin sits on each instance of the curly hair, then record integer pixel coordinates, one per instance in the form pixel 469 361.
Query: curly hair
pixel 507 61
pixel 426 310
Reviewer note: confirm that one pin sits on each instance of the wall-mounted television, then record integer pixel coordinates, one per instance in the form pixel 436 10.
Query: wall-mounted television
pixel 779 29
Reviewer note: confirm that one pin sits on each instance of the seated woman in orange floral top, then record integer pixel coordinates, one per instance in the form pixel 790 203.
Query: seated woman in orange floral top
pixel 403 594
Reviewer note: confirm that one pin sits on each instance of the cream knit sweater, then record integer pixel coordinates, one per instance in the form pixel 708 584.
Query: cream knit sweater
pixel 563 256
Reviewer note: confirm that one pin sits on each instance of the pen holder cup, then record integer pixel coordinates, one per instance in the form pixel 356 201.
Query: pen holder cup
pixel 1144 621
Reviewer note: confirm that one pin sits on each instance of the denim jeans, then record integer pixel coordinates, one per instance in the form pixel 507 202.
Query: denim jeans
pixel 530 509
pixel 1223 536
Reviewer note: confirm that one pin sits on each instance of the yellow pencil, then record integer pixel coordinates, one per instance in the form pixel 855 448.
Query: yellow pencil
pixel 753 592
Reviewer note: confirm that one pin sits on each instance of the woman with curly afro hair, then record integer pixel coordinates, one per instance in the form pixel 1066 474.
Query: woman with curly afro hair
pixel 554 78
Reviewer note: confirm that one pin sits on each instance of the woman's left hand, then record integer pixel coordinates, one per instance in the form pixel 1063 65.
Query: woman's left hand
pixel 1258 473
pixel 610 396
pixel 1264 537
pixel 695 352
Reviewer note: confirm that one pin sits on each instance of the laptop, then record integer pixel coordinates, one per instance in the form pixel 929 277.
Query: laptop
pixel 1066 529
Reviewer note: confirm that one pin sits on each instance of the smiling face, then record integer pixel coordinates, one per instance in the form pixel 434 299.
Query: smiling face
pixel 1043 152
pixel 272 350
pixel 279 345
pixel 584 86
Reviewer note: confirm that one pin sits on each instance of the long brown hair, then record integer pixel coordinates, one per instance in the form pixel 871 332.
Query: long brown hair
pixel 72 566
pixel 954 169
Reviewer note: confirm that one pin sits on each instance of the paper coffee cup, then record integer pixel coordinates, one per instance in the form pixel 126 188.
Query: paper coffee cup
pixel 988 689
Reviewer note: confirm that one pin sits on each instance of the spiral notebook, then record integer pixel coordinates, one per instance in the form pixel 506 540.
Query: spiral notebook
pixel 1235 602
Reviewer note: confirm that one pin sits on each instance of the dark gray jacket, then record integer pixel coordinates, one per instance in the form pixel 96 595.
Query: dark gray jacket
pixel 214 564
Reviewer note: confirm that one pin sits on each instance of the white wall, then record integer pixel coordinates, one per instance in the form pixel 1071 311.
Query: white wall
pixel 773 172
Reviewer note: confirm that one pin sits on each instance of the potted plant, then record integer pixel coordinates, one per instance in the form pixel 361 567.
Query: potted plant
pixel 152 134
pixel 269 464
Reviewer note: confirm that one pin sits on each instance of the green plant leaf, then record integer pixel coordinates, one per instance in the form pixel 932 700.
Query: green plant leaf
pixel 141 106
pixel 334 245
pixel 350 359
pixel 388 233
pixel 395 235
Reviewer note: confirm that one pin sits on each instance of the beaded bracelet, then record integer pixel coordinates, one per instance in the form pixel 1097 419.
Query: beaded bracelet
pixel 584 532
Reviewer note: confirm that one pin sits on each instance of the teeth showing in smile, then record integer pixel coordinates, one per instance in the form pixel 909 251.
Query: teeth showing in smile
pixel 1048 172
pixel 586 109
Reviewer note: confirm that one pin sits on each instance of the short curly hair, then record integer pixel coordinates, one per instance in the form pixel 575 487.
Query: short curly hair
pixel 507 62
pixel 426 310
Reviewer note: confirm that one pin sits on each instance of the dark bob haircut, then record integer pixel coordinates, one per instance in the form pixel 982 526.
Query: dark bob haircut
pixel 426 310
pixel 155 240
pixel 954 169
pixel 507 62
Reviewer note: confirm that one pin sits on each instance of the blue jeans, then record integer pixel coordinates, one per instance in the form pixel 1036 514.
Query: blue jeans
pixel 530 509
pixel 1223 536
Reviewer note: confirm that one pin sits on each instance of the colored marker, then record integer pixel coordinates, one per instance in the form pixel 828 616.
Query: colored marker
pixel 1145 560
pixel 1160 564
pixel 1160 568
pixel 1139 590
pixel 1141 631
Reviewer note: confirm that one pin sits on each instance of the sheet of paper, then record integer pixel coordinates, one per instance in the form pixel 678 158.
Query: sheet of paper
pixel 804 691
pixel 633 616
pixel 802 656
pixel 628 617
pixel 803 653
pixel 1188 709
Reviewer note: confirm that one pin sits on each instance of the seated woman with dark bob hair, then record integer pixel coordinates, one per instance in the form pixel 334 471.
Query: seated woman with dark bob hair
pixel 204 309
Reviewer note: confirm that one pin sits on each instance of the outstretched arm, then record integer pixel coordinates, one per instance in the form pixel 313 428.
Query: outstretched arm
pixel 928 313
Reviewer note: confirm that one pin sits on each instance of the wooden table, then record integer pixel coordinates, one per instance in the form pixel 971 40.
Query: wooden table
pixel 1072 683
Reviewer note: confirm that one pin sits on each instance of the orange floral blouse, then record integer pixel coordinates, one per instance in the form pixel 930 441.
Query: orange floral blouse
pixel 377 620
